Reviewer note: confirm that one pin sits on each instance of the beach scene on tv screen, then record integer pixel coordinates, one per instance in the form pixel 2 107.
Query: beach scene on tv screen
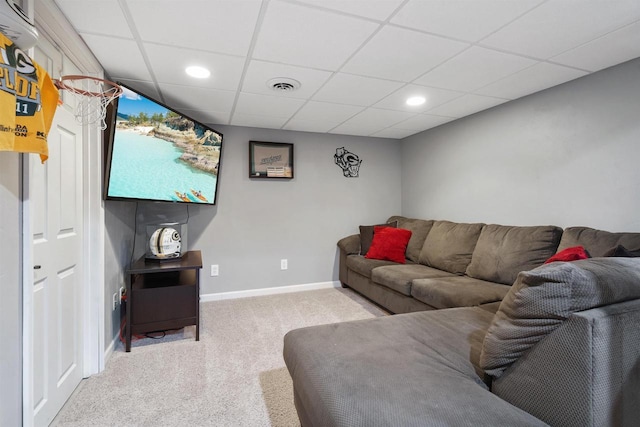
pixel 159 154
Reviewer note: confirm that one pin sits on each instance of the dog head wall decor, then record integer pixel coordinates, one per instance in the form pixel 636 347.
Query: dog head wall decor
pixel 348 162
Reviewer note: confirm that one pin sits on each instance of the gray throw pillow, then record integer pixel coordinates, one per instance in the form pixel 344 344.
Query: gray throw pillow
pixel 541 299
pixel 366 235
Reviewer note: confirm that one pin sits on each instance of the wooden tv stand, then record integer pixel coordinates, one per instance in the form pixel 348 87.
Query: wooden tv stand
pixel 163 295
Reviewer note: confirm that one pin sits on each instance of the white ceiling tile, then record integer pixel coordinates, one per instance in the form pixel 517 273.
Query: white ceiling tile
pixel 539 77
pixel 133 67
pixel 373 9
pixel 197 98
pixel 355 90
pixel 224 26
pixel 89 16
pixel 418 53
pixel 145 88
pixel 373 120
pixel 320 125
pixel 466 105
pixel 257 121
pixel 557 26
pixel 208 116
pixel 393 133
pixel 225 70
pixel 474 68
pixel 276 106
pixel 259 72
pixel 613 48
pixel 352 130
pixel 325 111
pixel 469 20
pixel 422 122
pixel 309 37
pixel 434 96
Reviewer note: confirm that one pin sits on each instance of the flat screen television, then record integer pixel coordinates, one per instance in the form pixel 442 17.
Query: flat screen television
pixel 157 154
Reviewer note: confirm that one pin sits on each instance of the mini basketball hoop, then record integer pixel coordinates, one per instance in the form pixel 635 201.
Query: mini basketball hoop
pixel 85 90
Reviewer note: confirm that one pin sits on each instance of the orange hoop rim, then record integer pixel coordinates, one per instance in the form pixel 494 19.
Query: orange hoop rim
pixel 114 91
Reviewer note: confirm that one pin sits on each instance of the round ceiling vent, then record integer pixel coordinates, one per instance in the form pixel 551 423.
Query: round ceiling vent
pixel 283 84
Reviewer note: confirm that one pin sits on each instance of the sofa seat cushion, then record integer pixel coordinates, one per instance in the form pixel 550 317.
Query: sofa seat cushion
pixel 399 277
pixel 363 266
pixel 542 299
pixel 457 291
pixel 449 246
pixel 414 369
pixel 504 251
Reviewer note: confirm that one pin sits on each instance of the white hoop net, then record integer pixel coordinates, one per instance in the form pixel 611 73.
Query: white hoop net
pixel 91 95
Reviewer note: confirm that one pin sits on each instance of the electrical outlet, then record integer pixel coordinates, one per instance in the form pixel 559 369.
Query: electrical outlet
pixel 283 264
pixel 115 300
pixel 215 270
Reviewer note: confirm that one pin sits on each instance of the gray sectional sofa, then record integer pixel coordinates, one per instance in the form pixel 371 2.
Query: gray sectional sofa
pixel 559 345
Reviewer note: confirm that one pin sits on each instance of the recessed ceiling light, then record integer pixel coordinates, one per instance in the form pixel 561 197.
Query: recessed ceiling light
pixel 198 72
pixel 416 100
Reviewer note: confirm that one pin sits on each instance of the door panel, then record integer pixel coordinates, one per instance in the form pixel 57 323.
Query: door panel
pixel 55 197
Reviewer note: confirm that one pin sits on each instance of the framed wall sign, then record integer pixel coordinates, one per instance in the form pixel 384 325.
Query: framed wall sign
pixel 270 160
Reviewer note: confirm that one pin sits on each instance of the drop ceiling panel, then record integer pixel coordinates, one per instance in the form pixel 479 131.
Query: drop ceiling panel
pixel 314 38
pixel 197 98
pixel 351 55
pixel 103 49
pixel 89 17
pixel 434 97
pixel 209 117
pixel 372 9
pixel 557 26
pixel 419 53
pixel 225 70
pixel 613 48
pixel 355 90
pixel 373 120
pixel 214 26
pixel 469 20
pixel 321 126
pixel 260 72
pixel 474 68
pixel 327 112
pixel 539 77
pixel 422 122
pixel 258 121
pixel 466 105
pixel 275 106
pixel 147 88
pixel 393 133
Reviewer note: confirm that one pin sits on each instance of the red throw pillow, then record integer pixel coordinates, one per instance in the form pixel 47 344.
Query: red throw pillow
pixel 389 244
pixel 570 254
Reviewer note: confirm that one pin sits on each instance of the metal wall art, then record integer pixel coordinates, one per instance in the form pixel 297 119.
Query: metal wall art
pixel 348 162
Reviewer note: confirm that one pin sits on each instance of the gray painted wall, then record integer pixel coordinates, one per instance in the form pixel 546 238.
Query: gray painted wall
pixel 565 156
pixel 118 242
pixel 256 223
pixel 11 288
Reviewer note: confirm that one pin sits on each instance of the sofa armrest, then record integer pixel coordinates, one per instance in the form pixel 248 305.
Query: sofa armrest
pixel 585 373
pixel 350 245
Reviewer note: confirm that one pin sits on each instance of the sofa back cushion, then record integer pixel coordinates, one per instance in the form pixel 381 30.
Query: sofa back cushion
pixel 419 229
pixel 598 242
pixel 504 251
pixel 449 246
pixel 541 299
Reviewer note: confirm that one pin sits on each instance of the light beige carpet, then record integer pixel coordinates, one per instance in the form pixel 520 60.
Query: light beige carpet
pixel 234 376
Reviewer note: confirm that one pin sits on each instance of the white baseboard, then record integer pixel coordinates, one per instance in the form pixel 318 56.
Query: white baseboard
pixel 112 346
pixel 268 291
